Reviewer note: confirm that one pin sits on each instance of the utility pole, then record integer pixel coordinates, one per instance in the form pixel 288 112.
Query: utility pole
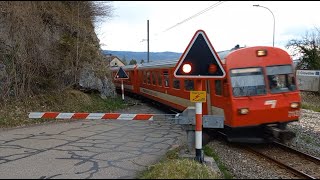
pixel 148 37
pixel 77 58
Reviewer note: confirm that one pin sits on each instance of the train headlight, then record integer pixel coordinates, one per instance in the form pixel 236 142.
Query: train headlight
pixel 243 111
pixel 261 53
pixel 295 105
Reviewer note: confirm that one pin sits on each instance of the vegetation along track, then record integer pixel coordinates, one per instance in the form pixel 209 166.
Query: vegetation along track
pixel 299 163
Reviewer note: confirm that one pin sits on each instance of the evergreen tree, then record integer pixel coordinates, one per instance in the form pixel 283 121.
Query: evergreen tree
pixel 133 61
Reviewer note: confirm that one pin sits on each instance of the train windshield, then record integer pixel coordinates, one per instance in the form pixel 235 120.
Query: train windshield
pixel 247 82
pixel 281 79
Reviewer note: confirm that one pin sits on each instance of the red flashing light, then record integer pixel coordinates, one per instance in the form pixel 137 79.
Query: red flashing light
pixel 186 68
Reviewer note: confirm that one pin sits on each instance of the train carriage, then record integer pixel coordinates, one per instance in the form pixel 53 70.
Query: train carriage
pixel 263 91
pixel 257 97
pixel 130 83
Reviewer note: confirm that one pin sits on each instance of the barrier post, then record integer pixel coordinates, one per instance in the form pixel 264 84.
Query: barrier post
pixel 198 129
pixel 122 89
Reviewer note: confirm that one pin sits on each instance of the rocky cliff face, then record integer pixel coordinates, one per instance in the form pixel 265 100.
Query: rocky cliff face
pixel 90 81
pixel 45 45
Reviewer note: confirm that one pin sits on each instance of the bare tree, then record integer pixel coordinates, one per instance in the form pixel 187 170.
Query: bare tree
pixel 308 49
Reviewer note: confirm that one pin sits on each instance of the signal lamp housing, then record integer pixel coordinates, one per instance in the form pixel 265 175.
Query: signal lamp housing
pixel 212 68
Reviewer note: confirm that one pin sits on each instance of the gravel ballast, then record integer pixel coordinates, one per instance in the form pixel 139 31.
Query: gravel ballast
pixel 244 165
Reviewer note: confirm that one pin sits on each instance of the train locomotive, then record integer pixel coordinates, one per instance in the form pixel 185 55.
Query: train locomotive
pixel 257 98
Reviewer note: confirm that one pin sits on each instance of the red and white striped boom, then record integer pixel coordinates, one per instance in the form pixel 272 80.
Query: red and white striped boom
pixel 115 116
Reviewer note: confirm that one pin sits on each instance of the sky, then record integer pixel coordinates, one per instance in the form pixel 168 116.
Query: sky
pixel 172 24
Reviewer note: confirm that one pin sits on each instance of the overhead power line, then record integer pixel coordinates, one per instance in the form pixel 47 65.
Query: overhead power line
pixel 189 18
pixel 195 15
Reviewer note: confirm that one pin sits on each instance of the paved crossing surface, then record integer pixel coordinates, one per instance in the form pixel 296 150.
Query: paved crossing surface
pixel 87 149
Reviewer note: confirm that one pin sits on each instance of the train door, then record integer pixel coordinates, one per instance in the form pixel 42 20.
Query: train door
pixel 207 105
pixel 218 97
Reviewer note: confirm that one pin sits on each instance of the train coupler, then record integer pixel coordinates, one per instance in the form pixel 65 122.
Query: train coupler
pixel 282 135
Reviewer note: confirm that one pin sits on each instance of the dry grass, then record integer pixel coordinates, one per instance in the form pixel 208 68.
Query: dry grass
pixel 173 167
pixel 310 100
pixel 179 169
pixel 15 113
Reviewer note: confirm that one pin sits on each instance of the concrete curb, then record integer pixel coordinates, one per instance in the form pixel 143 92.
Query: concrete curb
pixel 208 161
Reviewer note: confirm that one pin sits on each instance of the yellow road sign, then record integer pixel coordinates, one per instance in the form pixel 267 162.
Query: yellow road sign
pixel 198 96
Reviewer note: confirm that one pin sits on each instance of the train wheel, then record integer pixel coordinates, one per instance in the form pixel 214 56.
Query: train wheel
pixel 282 126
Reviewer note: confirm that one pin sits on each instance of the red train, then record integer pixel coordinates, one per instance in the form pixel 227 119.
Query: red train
pixel 257 98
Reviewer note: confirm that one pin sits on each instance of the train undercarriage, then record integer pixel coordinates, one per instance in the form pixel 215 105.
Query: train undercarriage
pixel 261 134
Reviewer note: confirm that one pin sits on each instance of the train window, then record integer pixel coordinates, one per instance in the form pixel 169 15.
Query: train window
pixel 166 78
pixel 218 87
pixel 247 82
pixel 148 77
pixel 176 83
pixel 159 78
pixel 154 78
pixel 140 75
pixel 281 78
pixel 144 77
pixel 188 85
pixel 129 76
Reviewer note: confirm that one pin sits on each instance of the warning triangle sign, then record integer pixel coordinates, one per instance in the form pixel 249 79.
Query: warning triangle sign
pixel 199 60
pixel 121 74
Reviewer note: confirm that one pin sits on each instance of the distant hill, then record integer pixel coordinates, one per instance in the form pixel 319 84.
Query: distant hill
pixel 138 56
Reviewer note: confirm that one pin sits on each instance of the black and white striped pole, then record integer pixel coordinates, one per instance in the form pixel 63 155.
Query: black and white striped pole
pixel 122 89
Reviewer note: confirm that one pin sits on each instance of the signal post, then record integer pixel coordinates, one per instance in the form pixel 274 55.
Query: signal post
pixel 121 74
pixel 199 62
pixel 198 129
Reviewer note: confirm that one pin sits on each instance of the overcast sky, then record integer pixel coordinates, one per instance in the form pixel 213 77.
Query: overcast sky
pixel 226 24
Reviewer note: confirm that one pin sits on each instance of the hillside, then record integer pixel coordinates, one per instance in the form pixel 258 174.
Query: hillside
pixel 138 56
pixel 44 45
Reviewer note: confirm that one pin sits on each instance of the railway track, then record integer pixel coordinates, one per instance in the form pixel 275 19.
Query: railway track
pixel 301 164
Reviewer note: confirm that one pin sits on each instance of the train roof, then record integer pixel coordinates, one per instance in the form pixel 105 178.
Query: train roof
pixel 173 62
pixel 222 54
pixel 127 67
pixel 158 64
pixel 169 63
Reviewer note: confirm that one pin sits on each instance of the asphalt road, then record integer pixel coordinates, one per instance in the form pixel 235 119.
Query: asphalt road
pixel 87 149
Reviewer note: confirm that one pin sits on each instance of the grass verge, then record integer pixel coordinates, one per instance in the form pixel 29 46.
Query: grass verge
pixel 209 152
pixel 174 167
pixel 310 100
